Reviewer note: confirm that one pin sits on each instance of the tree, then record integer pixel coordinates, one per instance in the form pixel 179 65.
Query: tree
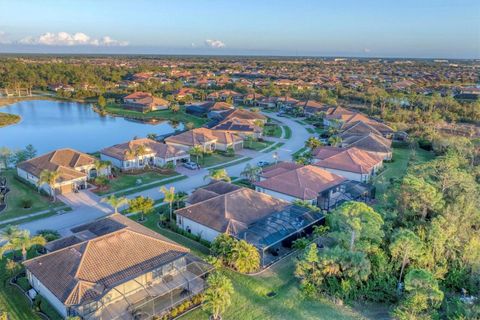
pixel 50 178
pixel 174 107
pixel 217 297
pixel 245 257
pixel 141 204
pixel 335 141
pixel 405 245
pixel 169 197
pixel 152 136
pixel 218 174
pixel 189 125
pixel 115 202
pixel 101 165
pixel 5 156
pixel 222 246
pixel 423 296
pixel 22 241
pixel 251 172
pixel 355 224
pixel 313 143
pixel 196 151
pixel 30 151
pixel 419 197
pixel 101 102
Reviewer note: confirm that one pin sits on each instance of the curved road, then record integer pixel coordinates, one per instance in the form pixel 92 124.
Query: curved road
pixel 87 206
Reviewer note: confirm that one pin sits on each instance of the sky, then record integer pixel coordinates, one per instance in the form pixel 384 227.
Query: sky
pixel 360 28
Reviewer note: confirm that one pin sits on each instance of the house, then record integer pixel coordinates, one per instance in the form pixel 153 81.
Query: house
pixel 286 103
pixel 384 129
pixel 267 102
pixel 267 223
pixel 139 153
pixel 144 102
pixel 184 92
pixel 240 127
pixel 371 142
pixel 337 116
pixel 252 99
pixel 115 268
pixel 223 95
pixel 311 108
pixel 292 182
pixel 244 115
pixel 73 167
pixel 211 109
pixel 352 163
pixel 207 139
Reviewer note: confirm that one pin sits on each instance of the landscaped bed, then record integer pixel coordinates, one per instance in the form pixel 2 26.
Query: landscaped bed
pixel 23 199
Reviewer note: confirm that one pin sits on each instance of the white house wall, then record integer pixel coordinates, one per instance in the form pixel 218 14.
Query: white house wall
pixel 196 228
pixel 47 294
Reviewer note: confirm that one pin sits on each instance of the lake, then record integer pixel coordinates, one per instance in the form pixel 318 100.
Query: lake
pixel 49 125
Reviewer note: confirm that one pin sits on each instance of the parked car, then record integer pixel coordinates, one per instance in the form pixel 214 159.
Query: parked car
pixel 191 165
pixel 262 163
pixel 281 114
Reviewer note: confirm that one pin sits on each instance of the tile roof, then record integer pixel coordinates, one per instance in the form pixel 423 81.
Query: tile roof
pixel 161 150
pixel 233 209
pixel 201 136
pixel 370 142
pixel 304 183
pixel 351 160
pixel 120 251
pixel 64 161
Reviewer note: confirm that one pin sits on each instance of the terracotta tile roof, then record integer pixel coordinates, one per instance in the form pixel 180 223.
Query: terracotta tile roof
pixel 64 161
pixel 161 150
pixel 370 142
pixel 201 136
pixel 236 124
pixel 233 211
pixel 351 160
pixel 279 168
pixel 244 114
pixel 304 183
pixel 87 270
pixel 325 152
pixel 357 128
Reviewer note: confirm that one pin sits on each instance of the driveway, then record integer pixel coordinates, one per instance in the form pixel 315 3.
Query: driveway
pixel 87 207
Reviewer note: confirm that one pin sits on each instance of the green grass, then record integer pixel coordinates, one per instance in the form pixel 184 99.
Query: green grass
pixel 288 132
pixel 272 131
pixel 180 116
pixel 397 169
pixel 273 147
pixel 125 181
pixel 257 145
pixel 310 130
pixel 226 165
pixel 299 152
pixel 215 158
pixel 250 300
pixel 20 191
pixel 8 119
pixel 150 186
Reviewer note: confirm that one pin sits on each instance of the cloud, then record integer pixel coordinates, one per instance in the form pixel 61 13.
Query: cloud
pixel 67 39
pixel 214 44
pixel 4 38
pixel 366 50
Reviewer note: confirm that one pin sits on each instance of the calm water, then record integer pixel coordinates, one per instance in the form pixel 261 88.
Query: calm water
pixel 50 125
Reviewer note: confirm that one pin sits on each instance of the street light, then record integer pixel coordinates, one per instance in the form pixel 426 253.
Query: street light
pixel 275 157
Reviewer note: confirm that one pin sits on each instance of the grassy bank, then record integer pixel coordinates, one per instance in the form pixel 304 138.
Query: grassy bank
pixel 8 119
pixel 180 116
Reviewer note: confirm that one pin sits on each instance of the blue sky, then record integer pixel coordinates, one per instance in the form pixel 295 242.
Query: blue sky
pixel 388 28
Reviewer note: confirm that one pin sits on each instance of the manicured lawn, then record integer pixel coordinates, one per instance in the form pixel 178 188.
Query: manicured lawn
pixel 150 186
pixel 215 158
pixel 20 191
pixel 257 145
pixel 180 116
pixel 397 169
pixel 125 181
pixel 273 147
pixel 232 163
pixel 288 132
pixel 299 152
pixel 272 131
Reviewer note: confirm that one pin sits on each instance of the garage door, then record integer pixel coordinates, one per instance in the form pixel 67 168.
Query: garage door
pixel 65 189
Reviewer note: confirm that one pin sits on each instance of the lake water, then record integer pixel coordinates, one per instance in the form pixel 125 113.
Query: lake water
pixel 49 125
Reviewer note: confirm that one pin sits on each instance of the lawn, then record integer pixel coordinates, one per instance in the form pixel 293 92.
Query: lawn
pixel 250 300
pixel 288 132
pixel 20 191
pixel 257 145
pixel 180 116
pixel 273 147
pixel 150 186
pixel 272 131
pixel 398 168
pixel 216 158
pixel 125 181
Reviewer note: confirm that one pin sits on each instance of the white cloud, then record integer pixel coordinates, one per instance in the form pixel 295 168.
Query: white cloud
pixel 214 43
pixel 67 39
pixel 4 38
pixel 366 50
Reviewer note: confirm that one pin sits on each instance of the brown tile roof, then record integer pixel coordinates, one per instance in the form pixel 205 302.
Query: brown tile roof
pixel 304 183
pixel 64 161
pixel 236 124
pixel 325 152
pixel 122 251
pixel 200 136
pixel 370 142
pixel 351 160
pixel 233 211
pixel 279 168
pixel 357 128
pixel 243 114
pixel 161 150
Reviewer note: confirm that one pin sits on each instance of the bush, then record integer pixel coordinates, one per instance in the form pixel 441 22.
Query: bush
pixel 26 203
pixel 49 235
pixel 23 283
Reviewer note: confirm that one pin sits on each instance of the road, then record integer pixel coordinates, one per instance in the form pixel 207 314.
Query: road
pixel 87 207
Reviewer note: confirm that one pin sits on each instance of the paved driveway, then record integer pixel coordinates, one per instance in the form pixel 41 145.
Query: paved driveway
pixel 87 206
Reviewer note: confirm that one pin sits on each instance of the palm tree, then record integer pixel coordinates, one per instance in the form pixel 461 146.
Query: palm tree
pixel 22 241
pixel 100 165
pixel 335 141
pixel 251 172
pixel 245 257
pixel 115 202
pixel 218 174
pixel 50 178
pixel 218 295
pixel 196 151
pixel 169 196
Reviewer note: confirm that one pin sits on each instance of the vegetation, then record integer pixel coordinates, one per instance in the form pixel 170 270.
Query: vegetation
pixel 125 181
pixel 16 239
pixel 218 296
pixel 115 202
pixel 237 254
pixel 218 174
pixel 142 205
pixel 168 197
pixel 8 119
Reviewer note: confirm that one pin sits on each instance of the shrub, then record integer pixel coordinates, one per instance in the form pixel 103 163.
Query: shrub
pixel 23 283
pixel 49 235
pixel 26 203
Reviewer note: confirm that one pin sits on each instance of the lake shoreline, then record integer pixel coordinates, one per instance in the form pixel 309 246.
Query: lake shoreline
pixel 8 119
